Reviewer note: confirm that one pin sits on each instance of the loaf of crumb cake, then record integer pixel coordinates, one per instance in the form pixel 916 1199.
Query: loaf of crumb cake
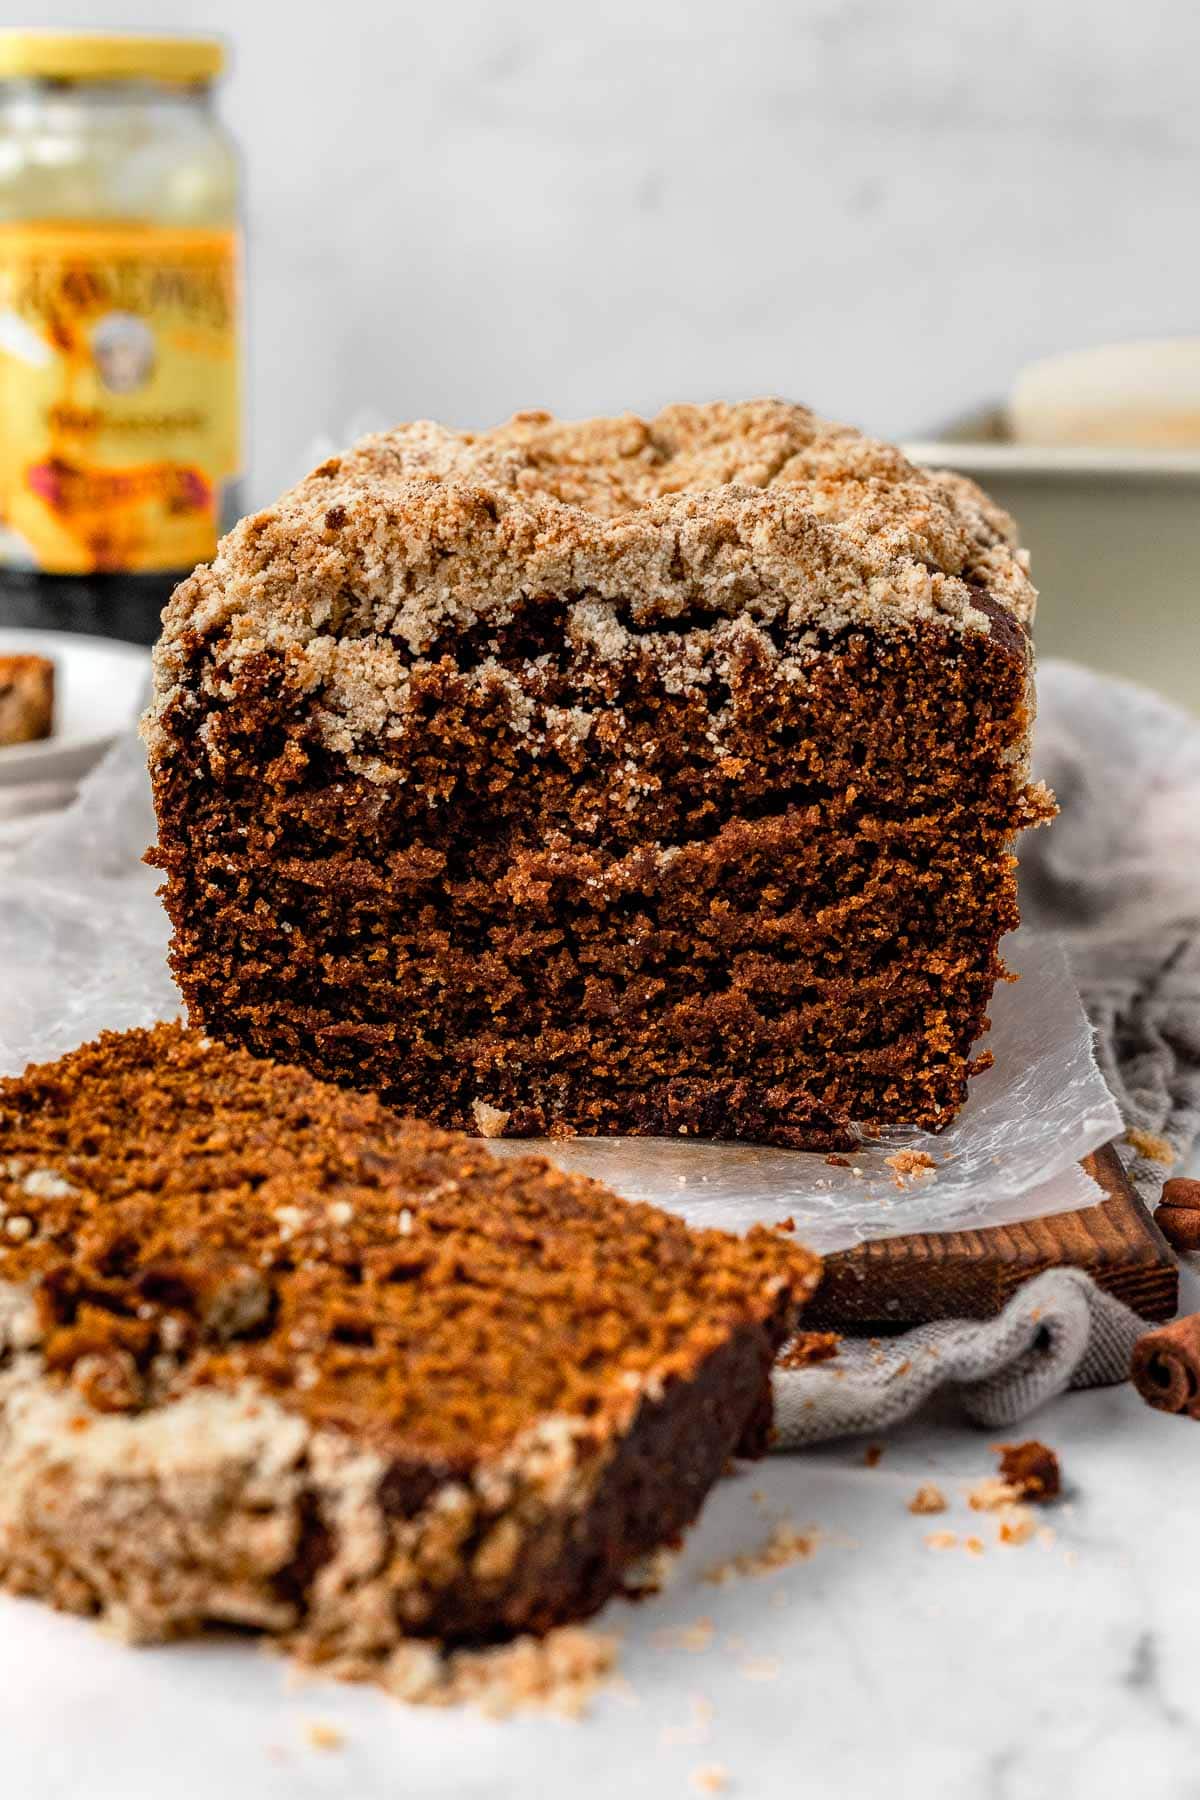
pixel 628 776
pixel 272 1356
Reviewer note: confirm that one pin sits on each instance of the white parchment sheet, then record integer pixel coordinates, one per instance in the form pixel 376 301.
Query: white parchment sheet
pixel 82 948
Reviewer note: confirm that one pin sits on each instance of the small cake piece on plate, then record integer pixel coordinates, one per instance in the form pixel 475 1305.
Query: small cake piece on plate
pixel 628 776
pixel 26 699
pixel 271 1355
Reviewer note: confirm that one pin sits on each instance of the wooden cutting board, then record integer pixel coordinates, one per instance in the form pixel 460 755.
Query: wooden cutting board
pixel 890 1285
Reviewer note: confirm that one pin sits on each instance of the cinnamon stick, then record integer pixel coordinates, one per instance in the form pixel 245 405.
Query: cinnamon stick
pixel 1166 1367
pixel 1178 1213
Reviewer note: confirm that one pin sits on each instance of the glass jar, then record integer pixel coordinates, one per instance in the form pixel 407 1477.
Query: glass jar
pixel 120 336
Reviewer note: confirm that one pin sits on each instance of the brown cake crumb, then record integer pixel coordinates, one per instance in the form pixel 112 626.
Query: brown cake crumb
pixel 942 1540
pixel 358 1380
pixel 710 1778
pixel 26 699
pixel 910 1165
pixel 784 1545
pixel 1017 1525
pixel 324 1737
pixel 807 1348
pixel 927 1499
pixel 587 776
pixel 1032 1469
pixel 993 1494
pixel 873 1455
pixel 1151 1145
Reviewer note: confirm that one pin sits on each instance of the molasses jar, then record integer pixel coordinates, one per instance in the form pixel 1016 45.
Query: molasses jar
pixel 120 428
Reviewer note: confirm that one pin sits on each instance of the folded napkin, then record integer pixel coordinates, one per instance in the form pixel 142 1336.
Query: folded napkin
pixel 1118 878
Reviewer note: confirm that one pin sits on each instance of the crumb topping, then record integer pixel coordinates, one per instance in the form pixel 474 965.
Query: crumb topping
pixel 704 523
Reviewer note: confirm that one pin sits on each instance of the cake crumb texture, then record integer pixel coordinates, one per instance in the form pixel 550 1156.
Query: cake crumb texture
pixel 233 1388
pixel 627 776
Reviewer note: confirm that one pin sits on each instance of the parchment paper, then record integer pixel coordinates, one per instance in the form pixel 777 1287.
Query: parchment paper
pixel 82 947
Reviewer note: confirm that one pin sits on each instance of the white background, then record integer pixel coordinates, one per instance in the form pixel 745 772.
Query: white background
pixel 460 208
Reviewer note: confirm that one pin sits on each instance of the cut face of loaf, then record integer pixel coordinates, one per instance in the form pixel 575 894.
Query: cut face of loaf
pixel 270 1355
pixel 641 777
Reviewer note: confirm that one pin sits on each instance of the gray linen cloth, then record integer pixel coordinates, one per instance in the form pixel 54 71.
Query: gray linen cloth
pixel 1118 877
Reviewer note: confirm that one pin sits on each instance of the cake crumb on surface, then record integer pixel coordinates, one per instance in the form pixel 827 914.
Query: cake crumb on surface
pixel 993 1494
pixel 710 1778
pixel 559 1673
pixel 927 1499
pixel 322 1736
pixel 1151 1145
pixel 785 1545
pixel 910 1165
pixel 1032 1469
pixel 807 1348
pixel 491 1120
pixel 873 1455
pixel 942 1540
pixel 1017 1525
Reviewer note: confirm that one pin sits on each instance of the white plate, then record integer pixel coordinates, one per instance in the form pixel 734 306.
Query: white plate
pixel 99 686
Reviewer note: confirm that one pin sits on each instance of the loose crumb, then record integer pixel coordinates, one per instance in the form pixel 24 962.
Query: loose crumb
pixel 910 1165
pixel 942 1540
pixel 873 1455
pixel 927 1499
pixel 323 1737
pixel 993 1494
pixel 785 1545
pixel 710 1778
pixel 1017 1525
pixel 1032 1469
pixel 974 1544
pixel 1150 1145
pixel 558 1673
pixel 807 1348
pixel 788 1224
pixel 838 1162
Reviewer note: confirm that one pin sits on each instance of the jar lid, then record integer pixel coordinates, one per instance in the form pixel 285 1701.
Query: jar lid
pixel 108 56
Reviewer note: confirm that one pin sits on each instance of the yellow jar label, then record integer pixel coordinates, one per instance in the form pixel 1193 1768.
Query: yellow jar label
pixel 119 395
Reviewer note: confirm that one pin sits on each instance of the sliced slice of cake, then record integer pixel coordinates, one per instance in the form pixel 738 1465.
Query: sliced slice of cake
pixel 616 777
pixel 270 1355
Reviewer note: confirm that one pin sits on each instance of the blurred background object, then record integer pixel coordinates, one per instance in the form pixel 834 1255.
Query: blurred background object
pixel 886 208
pixel 119 332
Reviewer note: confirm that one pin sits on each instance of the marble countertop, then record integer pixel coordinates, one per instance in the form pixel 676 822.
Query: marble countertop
pixel 1063 1667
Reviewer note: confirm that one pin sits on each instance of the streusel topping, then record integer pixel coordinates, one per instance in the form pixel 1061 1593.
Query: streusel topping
pixel 758 517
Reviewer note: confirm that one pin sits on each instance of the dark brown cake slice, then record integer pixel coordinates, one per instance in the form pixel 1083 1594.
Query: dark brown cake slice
pixel 616 777
pixel 270 1355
